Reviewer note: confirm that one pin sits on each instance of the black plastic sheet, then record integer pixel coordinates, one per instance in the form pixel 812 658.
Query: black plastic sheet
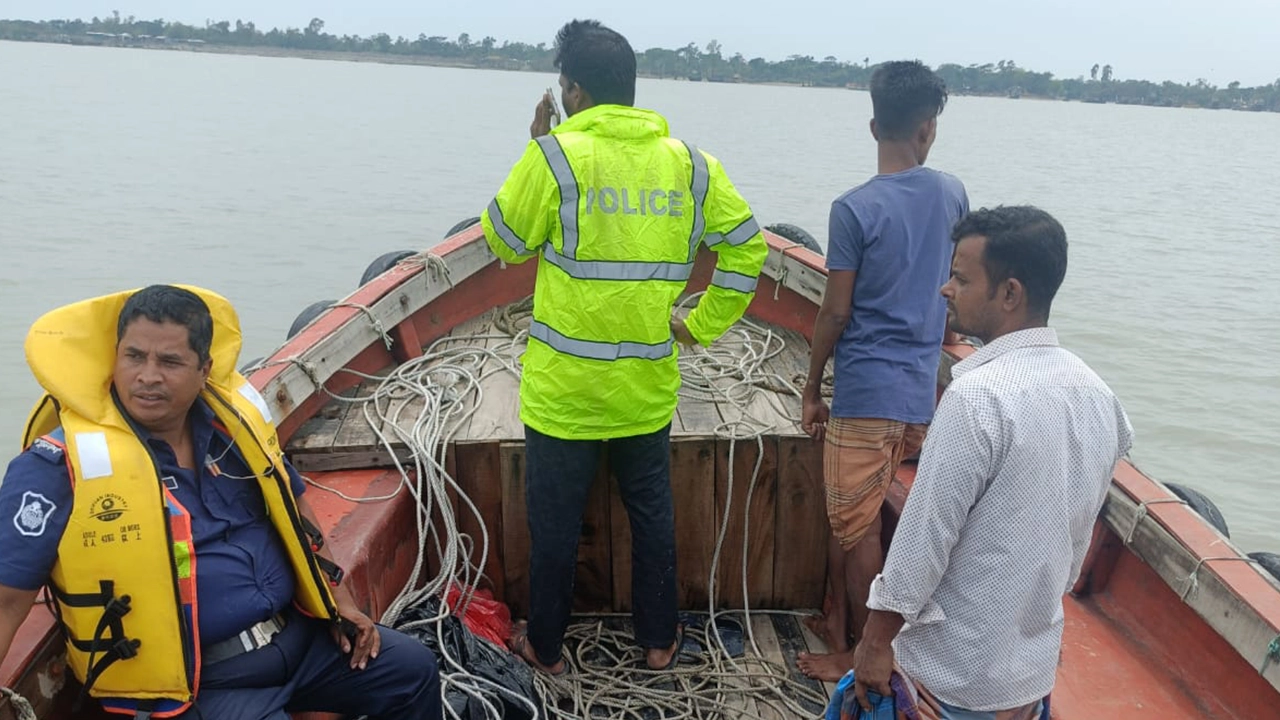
pixel 480 658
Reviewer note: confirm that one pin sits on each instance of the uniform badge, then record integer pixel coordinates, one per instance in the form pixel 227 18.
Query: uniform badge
pixel 33 514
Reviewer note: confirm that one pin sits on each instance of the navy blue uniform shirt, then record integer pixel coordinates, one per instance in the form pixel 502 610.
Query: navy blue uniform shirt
pixel 243 575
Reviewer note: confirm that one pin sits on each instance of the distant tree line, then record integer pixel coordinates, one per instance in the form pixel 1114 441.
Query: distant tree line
pixel 690 62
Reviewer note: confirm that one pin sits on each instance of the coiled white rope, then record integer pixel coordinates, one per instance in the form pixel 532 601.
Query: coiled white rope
pixel 608 675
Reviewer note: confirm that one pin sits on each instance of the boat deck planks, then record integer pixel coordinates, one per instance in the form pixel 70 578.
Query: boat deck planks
pixel 785 538
pixel 693 489
pixel 800 505
pixel 779 639
pixel 340 437
pixel 755 520
pixel 341 431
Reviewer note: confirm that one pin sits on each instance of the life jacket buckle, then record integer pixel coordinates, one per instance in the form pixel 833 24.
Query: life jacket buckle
pixel 126 648
pixel 118 607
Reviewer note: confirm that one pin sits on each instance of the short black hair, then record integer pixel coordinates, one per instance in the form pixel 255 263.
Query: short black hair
pixel 166 303
pixel 598 59
pixel 904 94
pixel 1023 242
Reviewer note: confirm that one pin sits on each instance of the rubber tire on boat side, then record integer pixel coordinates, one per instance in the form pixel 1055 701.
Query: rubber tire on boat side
pixel 461 226
pixel 309 313
pixel 250 366
pixel 1202 505
pixel 795 234
pixel 1269 562
pixel 383 263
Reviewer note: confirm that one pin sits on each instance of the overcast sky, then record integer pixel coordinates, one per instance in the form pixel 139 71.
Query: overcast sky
pixel 1181 40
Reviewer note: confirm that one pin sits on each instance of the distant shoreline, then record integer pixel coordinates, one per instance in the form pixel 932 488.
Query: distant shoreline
pixel 973 81
pixel 264 51
pixel 363 57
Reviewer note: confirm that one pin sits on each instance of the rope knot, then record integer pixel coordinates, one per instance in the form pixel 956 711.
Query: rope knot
pixel 373 320
pixel 1142 515
pixel 21 706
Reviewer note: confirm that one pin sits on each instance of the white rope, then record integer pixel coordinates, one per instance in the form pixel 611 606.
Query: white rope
pixel 417 410
pixel 373 320
pixel 1192 581
pixel 1141 514
pixel 21 706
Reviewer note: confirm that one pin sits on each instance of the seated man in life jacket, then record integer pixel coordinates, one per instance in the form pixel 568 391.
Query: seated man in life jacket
pixel 185 565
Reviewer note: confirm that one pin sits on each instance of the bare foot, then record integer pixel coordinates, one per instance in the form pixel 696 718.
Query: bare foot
pixel 828 631
pixel 827 668
pixel 521 646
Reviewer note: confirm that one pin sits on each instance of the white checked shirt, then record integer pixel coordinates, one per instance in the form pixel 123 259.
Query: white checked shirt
pixel 1013 472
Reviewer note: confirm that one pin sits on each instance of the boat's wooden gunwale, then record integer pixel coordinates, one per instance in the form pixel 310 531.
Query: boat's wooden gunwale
pixel 1212 577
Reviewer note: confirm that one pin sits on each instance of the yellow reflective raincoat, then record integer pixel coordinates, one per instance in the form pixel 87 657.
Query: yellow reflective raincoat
pixel 616 209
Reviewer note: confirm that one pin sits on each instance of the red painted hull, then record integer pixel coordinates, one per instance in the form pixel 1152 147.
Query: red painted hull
pixel 1132 646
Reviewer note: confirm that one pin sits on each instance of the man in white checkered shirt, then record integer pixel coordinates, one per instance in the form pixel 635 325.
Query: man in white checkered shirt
pixel 1013 473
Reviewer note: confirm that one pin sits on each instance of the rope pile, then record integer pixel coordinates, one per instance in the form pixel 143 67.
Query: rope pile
pixel 424 403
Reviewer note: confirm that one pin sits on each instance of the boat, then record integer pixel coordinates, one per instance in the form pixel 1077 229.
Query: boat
pixel 1167 620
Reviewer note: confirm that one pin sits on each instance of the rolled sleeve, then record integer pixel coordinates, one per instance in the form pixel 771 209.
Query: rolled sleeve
pixel 35 506
pixel 882 598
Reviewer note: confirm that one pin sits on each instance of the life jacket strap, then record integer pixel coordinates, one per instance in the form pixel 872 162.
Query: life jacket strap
pixel 116 646
pixel 312 532
pixel 316 539
pixel 332 569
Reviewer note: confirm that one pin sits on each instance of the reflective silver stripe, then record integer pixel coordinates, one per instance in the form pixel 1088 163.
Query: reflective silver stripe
pixel 509 236
pixel 698 184
pixel 712 239
pixel 744 232
pixel 733 281
pixel 593 350
pixel 617 270
pixel 568 191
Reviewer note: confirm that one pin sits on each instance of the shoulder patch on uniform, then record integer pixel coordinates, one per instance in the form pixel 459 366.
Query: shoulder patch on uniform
pixel 33 514
pixel 47 450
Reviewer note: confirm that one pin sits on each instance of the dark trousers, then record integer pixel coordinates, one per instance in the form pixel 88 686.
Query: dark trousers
pixel 304 670
pixel 558 476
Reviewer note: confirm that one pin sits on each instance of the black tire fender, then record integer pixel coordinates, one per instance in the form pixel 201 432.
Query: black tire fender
pixel 383 263
pixel 795 234
pixel 250 366
pixel 1267 561
pixel 1203 506
pixel 463 225
pixel 309 313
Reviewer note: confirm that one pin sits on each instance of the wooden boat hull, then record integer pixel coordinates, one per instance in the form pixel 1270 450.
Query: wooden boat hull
pixel 1166 621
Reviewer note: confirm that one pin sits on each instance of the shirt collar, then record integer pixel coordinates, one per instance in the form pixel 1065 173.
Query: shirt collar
pixel 201 417
pixel 1031 337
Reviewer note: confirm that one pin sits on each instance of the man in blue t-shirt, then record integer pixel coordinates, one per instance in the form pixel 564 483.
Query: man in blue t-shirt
pixel 889 250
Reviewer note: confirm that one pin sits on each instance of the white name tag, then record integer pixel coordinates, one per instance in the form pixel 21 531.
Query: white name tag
pixel 95 460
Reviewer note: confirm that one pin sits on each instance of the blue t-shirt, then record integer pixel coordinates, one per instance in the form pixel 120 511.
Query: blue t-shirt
pixel 895 232
pixel 243 574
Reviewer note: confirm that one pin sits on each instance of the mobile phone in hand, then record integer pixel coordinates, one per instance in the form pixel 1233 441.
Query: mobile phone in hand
pixel 555 108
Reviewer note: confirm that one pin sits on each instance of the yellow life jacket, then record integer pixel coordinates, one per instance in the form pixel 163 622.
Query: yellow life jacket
pixel 124 583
